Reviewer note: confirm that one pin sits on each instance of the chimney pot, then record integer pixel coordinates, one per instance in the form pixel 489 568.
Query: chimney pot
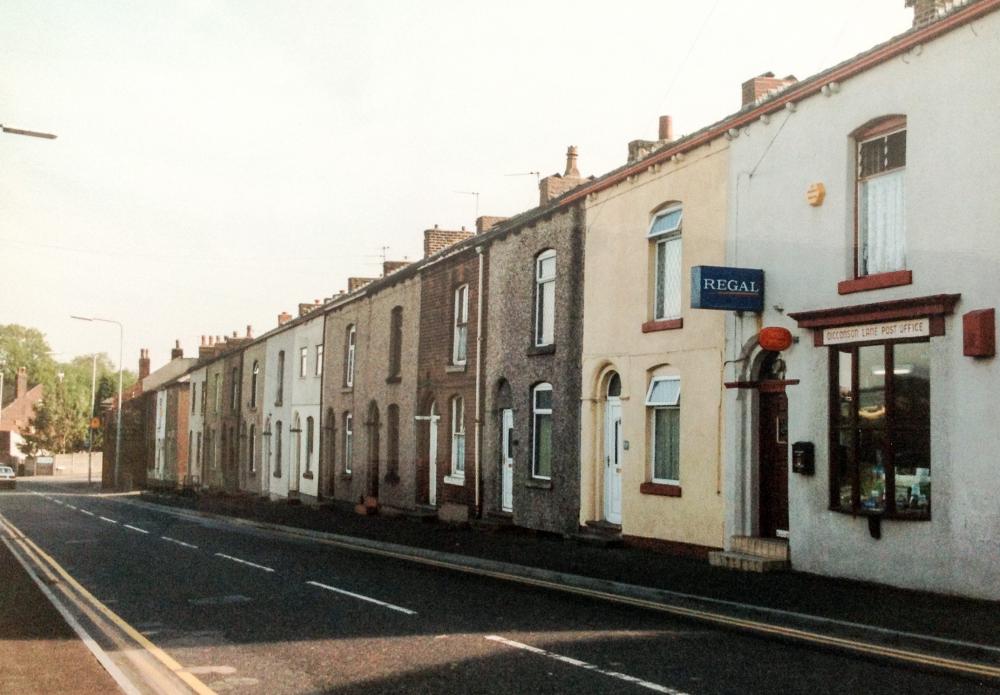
pixel 571 169
pixel 249 331
pixel 666 128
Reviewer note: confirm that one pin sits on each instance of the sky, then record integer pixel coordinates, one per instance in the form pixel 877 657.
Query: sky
pixel 220 161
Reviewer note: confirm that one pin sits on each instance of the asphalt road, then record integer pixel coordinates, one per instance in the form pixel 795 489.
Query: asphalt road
pixel 253 612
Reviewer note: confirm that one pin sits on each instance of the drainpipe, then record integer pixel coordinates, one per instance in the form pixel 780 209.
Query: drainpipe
pixel 479 350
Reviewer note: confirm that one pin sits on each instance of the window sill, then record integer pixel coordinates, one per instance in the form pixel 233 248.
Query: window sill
pixel 662 489
pixel 308 475
pixel 895 516
pixel 541 350
pixel 539 484
pixel 879 281
pixel 458 480
pixel 347 389
pixel 665 325
pixel 345 476
pixel 393 379
pixel 454 368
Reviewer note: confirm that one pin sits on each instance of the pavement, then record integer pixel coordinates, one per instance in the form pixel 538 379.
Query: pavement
pixel 39 652
pixel 794 604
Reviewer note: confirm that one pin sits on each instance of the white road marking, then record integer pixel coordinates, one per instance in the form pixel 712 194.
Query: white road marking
pixel 70 506
pixel 58 501
pixel 88 513
pixel 135 528
pixel 110 521
pixel 245 562
pixel 583 664
pixel 174 540
pixel 363 598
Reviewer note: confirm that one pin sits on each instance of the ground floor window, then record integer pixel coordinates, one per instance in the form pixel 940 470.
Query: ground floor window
pixel 541 450
pixel 664 403
pixel 880 439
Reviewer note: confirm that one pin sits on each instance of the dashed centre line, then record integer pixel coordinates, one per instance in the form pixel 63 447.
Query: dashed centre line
pixel 369 599
pixel 245 562
pixel 174 540
pixel 110 521
pixel 584 665
pixel 135 528
pixel 71 506
pixel 88 513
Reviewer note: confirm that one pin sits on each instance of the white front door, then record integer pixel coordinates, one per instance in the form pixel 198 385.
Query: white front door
pixel 432 456
pixel 507 460
pixel 613 462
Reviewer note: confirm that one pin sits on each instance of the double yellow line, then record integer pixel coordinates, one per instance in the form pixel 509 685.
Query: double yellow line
pixel 58 577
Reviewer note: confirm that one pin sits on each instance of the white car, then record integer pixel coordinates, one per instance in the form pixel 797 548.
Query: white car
pixel 7 477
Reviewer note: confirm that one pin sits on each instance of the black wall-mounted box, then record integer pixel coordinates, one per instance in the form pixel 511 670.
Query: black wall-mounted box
pixel 803 458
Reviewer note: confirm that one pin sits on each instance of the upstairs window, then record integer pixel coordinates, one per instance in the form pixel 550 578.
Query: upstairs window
pixel 280 396
pixel 217 407
pixel 461 324
pixel 545 298
pixel 234 394
pixel 665 238
pixel 350 345
pixel 319 360
pixel 395 342
pixel 881 227
pixel 303 361
pixel 663 400
pixel 194 396
pixel 254 374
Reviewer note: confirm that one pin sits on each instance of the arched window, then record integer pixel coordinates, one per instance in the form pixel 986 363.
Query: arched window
pixel 457 437
pixel 665 238
pixel 254 373
pixel 545 297
pixel 350 347
pixel 614 385
pixel 541 431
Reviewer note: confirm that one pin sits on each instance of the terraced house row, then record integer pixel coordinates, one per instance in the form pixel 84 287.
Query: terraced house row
pixel 768 342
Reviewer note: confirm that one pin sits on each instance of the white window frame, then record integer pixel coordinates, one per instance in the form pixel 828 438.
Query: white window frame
pixel 460 332
pixel 252 446
pixel 254 378
pixel 863 234
pixel 457 476
pixel 319 360
pixel 279 395
pixel 545 301
pixel 535 413
pixel 661 238
pixel 652 407
pixel 352 340
pixel 303 361
pixel 348 442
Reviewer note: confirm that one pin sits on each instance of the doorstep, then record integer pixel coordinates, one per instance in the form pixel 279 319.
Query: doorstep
pixel 750 554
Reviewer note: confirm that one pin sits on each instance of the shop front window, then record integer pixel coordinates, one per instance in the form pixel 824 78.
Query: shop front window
pixel 880 430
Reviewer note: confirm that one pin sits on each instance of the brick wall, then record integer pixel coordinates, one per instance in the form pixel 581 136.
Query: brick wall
pixel 759 87
pixel 440 380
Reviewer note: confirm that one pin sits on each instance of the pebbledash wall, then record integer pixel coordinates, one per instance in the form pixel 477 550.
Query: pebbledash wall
pixel 942 535
pixel 624 337
pixel 517 361
pixel 381 394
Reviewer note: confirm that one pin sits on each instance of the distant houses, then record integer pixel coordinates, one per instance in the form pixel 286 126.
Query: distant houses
pixel 601 367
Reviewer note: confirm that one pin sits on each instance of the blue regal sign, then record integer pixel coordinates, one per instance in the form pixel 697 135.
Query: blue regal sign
pixel 729 289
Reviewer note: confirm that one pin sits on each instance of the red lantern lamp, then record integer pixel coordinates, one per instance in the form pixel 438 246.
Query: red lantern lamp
pixel 774 338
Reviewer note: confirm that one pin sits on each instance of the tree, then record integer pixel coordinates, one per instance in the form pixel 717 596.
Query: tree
pixel 21 346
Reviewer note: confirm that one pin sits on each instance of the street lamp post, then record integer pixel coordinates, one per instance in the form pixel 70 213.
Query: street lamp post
pixel 118 415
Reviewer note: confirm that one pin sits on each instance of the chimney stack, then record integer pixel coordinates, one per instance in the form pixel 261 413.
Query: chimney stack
pixel 143 363
pixel 177 352
pixel 283 318
pixel 439 239
pixel 758 88
pixel 487 222
pixel 249 331
pixel 21 386
pixel 927 11
pixel 551 187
